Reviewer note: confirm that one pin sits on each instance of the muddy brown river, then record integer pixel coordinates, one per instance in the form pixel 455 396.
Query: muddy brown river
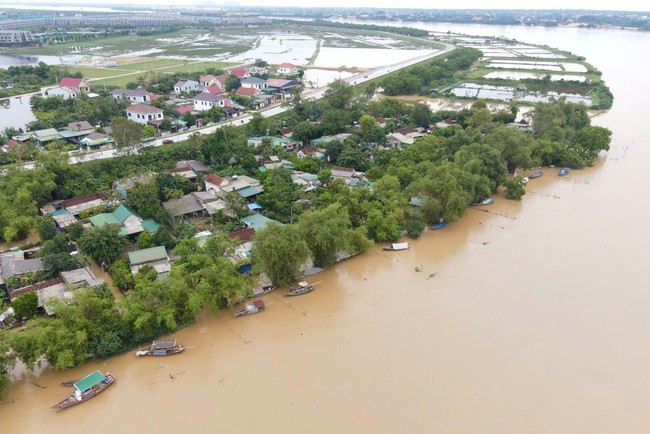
pixel 529 318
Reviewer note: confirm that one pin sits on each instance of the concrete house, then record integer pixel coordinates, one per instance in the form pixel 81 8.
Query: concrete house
pixel 205 101
pixel 186 86
pixel 133 95
pixel 287 68
pixel 142 113
pixel 154 256
pixel 80 85
pixel 253 82
pixel 62 92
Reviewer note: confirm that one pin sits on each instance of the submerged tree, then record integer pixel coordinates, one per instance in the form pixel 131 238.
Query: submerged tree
pixel 279 251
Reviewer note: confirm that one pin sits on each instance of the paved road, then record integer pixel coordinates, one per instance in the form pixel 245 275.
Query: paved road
pixel 272 111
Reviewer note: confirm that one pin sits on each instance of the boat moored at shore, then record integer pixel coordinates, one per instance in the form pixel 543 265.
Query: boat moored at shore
pixel 302 288
pixel 86 388
pixel 162 347
pixel 251 308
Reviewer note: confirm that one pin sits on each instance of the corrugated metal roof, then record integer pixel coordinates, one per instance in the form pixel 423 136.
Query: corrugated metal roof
pixel 147 255
pixel 89 381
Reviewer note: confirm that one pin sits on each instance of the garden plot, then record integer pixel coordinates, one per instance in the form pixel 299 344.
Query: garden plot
pixel 530 65
pixel 472 90
pixel 573 67
pixel 518 75
pixel 547 97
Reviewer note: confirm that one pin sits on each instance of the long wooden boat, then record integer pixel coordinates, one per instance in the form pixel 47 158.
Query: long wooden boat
pixel 261 290
pixel 303 288
pixel 86 388
pixel 440 225
pixel 397 246
pixel 251 308
pixel 161 348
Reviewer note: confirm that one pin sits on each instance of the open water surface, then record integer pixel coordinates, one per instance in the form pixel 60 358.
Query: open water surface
pixel 528 318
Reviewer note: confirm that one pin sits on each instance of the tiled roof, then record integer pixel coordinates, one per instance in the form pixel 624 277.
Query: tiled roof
pixel 143 108
pixel 80 126
pixel 215 180
pixel 83 199
pixel 70 82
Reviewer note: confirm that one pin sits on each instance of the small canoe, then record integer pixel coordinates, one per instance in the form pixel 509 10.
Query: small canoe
pixel 397 246
pixel 536 175
pixel 488 201
pixel 85 389
pixel 563 171
pixel 440 225
pixel 162 347
pixel 303 288
pixel 251 308
pixel 68 383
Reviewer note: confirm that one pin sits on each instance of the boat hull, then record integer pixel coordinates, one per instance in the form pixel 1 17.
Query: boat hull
pixel 169 352
pixel 71 400
pixel 299 291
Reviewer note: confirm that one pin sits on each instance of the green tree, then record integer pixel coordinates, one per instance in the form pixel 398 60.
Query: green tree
pixel 280 192
pixel 145 240
pixel 339 94
pixel 327 232
pixel 422 115
pixel 103 244
pixel 279 251
pixel 46 228
pixel 126 133
pixel 121 275
pixel 56 255
pixel 515 145
pixel 149 131
pixel 162 237
pixel 144 199
pixel 515 188
pixel 25 305
pixel 232 83
pixel 7 360
pixel 592 140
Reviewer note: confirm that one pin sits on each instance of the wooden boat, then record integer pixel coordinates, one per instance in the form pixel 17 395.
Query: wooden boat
pixel 251 308
pixel 483 202
pixel 536 175
pixel 86 388
pixel 68 383
pixel 563 171
pixel 162 347
pixel 397 246
pixel 440 225
pixel 261 290
pixel 303 288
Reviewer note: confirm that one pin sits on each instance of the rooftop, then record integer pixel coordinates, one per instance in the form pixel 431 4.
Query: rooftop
pixel 147 255
pixel 143 108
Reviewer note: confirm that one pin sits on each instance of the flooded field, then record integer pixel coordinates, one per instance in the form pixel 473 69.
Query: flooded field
pixel 515 75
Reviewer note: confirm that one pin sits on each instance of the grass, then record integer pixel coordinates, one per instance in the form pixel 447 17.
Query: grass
pixel 89 72
pixel 198 66
pixel 147 64
pixel 117 81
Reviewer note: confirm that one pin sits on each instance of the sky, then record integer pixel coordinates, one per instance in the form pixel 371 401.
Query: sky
pixel 626 5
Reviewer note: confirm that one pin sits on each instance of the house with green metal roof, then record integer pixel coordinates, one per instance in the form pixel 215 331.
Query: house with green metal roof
pixel 129 222
pixel 258 221
pixel 155 257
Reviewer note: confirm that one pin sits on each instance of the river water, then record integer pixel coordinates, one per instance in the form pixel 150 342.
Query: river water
pixel 528 318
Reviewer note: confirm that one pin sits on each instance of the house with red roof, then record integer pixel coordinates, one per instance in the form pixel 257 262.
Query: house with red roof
pixel 214 90
pixel 208 80
pixel 287 68
pixel 78 84
pixel 248 91
pixel 239 72
pixel 185 109
pixel 143 114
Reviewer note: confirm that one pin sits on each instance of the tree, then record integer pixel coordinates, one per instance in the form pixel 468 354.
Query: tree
pixel 592 140
pixel 162 237
pixel 232 83
pixel 515 146
pixel 56 255
pixel 126 133
pixel 354 157
pixel 280 192
pixel 422 115
pixel 25 305
pixel 339 94
pixel 144 199
pixel 279 251
pixel 327 232
pixel 149 131
pixel 515 188
pixel 46 228
pixel 145 240
pixel 7 360
pixel 121 275
pixel 103 244
pixel 259 125
pixel 304 132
